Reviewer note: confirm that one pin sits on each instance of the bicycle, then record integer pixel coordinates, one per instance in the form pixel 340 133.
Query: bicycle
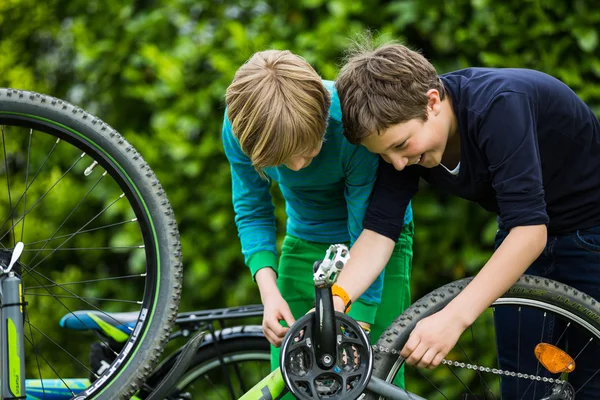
pixel 333 359
pixel 98 233
pixel 229 361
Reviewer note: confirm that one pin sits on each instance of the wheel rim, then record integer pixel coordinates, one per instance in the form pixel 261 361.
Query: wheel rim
pixel 457 381
pixel 70 258
pixel 216 380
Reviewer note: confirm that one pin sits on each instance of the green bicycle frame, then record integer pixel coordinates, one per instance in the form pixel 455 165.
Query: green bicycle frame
pixel 12 365
pixel 273 387
pixel 270 388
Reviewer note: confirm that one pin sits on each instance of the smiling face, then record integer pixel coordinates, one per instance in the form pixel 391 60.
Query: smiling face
pixel 416 142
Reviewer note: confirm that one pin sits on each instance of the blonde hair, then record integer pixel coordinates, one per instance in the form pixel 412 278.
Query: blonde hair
pixel 278 107
pixel 383 86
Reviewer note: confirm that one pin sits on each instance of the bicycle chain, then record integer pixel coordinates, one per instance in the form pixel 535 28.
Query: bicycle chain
pixel 495 371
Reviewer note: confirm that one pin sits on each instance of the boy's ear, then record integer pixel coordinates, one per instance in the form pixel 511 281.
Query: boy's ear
pixel 434 104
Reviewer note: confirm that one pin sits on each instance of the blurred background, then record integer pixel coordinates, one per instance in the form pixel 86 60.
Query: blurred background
pixel 157 72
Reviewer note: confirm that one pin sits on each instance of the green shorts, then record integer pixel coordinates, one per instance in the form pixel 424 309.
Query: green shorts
pixel 296 285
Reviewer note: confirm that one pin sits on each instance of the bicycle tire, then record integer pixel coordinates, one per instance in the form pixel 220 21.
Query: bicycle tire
pixel 528 291
pixel 154 217
pixel 231 346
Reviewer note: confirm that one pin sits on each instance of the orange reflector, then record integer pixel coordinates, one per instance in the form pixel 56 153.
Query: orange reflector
pixel 554 359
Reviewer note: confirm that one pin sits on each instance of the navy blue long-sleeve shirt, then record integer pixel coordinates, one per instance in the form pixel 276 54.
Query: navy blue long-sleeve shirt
pixel 529 151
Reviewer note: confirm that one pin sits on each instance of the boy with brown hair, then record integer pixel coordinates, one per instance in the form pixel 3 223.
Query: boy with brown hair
pixel 518 142
pixel 283 123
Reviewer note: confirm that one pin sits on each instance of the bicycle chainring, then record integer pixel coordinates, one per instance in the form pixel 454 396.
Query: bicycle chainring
pixel 351 369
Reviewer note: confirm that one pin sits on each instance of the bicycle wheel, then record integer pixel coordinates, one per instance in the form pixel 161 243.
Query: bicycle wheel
pixel 223 368
pixel 473 371
pixel 99 234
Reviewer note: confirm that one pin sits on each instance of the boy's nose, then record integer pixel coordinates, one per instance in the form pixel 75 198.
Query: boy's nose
pixel 400 163
pixel 296 163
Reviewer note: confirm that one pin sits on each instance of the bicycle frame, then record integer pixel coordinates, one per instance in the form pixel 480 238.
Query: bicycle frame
pixel 272 387
pixel 12 365
pixel 212 321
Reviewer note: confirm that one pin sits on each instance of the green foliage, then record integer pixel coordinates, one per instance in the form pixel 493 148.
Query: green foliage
pixel 157 71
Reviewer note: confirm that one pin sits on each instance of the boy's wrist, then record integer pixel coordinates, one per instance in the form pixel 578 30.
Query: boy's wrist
pixel 266 279
pixel 262 259
pixel 338 304
pixel 340 293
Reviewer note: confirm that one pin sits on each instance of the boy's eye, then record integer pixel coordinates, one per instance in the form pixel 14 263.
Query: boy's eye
pixel 401 145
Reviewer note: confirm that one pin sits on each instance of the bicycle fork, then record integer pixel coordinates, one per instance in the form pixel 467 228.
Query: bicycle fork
pixel 12 362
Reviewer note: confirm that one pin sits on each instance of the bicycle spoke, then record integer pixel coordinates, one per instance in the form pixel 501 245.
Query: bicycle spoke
pixel 584 347
pixel 62 296
pixel 36 352
pixel 70 214
pixel 215 387
pixel 138 247
pixel 539 366
pixel 43 196
pixel 26 183
pixel 238 374
pixel 87 281
pixel 7 178
pixel 588 381
pixel 73 295
pixel 30 184
pixel 51 367
pixel 433 384
pixel 62 348
pixel 70 237
pixel 29 244
pixel 482 380
pixel 72 313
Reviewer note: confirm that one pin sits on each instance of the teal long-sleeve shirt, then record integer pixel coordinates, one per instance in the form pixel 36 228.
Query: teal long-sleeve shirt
pixel 325 202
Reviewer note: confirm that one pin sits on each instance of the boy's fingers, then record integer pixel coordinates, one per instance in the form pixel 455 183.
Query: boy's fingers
pixel 272 337
pixel 288 317
pixel 276 328
pixel 269 335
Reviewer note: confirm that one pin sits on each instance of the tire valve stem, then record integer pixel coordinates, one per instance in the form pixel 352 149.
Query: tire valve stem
pixel 88 170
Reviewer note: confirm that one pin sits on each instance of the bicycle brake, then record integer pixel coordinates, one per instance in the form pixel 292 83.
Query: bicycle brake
pixel 327 272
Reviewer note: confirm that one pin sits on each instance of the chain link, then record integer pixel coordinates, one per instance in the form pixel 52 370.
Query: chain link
pixel 495 371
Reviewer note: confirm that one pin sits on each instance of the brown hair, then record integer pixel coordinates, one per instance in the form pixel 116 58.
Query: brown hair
pixel 278 107
pixel 382 86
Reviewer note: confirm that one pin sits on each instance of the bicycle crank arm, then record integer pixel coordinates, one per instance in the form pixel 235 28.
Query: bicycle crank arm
pixel 390 391
pixel 181 365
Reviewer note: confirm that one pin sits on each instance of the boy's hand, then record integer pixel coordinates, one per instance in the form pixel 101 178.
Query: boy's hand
pixel 276 309
pixel 432 339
